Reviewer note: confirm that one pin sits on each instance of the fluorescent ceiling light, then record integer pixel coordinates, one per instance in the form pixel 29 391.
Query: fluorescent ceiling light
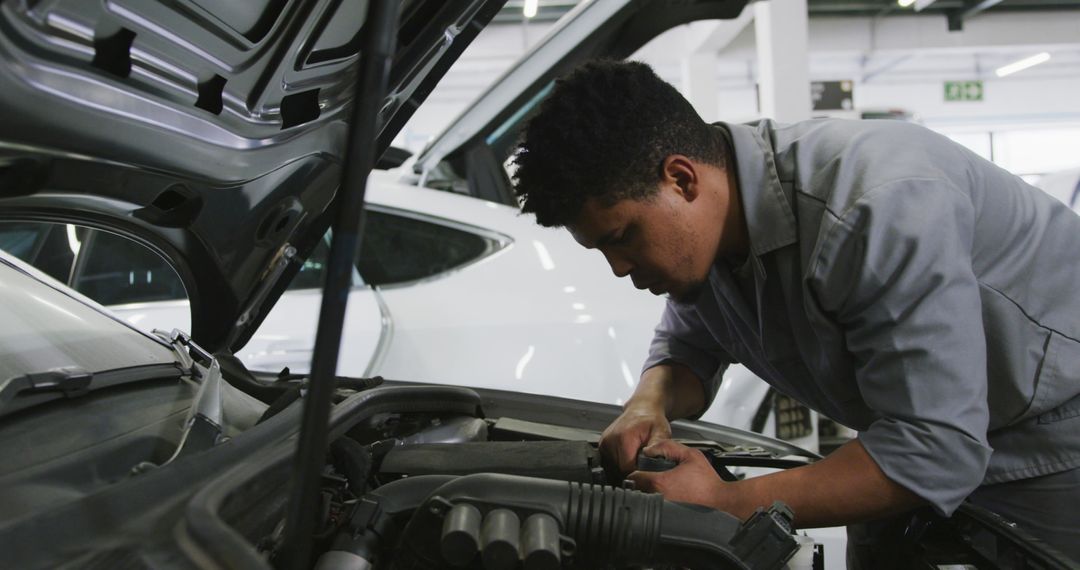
pixel 1023 64
pixel 530 8
pixel 905 3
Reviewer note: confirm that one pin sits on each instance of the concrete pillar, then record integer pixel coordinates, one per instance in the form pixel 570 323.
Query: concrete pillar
pixel 703 41
pixel 699 84
pixel 780 27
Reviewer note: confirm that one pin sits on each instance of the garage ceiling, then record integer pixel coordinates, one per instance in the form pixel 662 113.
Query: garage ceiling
pixel 954 11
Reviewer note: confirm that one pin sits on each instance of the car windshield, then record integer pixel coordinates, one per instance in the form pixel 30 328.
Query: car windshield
pixel 44 327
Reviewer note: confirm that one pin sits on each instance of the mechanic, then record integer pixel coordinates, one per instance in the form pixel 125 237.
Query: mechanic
pixel 873 270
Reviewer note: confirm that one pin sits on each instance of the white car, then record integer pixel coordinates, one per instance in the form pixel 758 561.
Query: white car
pixel 449 289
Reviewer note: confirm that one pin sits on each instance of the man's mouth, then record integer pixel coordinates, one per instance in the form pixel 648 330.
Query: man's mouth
pixel 654 287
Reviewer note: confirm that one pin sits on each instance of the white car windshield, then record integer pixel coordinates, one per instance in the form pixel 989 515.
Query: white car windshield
pixel 43 326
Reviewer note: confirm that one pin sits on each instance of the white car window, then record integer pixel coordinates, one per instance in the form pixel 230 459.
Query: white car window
pixel 108 268
pixel 399 249
pixel 115 270
pixel 51 248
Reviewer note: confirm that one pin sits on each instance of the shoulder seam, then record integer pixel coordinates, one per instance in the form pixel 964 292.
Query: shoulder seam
pixel 824 204
pixel 873 190
pixel 1024 311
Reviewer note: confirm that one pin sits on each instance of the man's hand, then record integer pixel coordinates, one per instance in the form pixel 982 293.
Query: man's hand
pixel 693 480
pixel 844 488
pixel 639 425
pixel 665 391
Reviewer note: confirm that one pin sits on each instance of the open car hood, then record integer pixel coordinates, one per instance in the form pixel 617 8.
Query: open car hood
pixel 609 29
pixel 211 132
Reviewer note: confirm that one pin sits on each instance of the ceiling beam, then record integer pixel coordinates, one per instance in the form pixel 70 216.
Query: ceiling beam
pixel 956 17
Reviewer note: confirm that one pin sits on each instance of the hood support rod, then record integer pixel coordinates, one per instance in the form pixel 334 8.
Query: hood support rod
pixel 380 36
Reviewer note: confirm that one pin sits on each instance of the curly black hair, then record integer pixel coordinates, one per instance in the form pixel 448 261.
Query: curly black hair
pixel 604 132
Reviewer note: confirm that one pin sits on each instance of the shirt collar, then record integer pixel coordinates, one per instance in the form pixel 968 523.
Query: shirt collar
pixel 769 218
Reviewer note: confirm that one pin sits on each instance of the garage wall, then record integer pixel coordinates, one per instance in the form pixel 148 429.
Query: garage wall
pixel 896 62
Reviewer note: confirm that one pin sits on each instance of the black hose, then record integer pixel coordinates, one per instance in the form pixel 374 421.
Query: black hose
pixel 611 527
pixel 282 402
pixel 292 393
pixel 354 460
pixel 605 526
pixel 360 384
pixel 240 377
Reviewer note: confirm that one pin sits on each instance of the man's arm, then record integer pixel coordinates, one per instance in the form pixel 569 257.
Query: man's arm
pixel 672 387
pixel 897 275
pixel 844 488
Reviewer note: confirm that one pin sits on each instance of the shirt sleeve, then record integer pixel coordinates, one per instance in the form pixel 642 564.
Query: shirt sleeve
pixel 896 272
pixel 681 337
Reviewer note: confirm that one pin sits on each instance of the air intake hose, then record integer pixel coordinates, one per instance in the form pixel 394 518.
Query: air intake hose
pixel 496 522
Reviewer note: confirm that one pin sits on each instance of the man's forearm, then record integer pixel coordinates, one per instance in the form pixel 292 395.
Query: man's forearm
pixel 845 487
pixel 673 387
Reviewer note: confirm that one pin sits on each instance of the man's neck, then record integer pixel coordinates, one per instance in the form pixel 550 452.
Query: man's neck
pixel 735 238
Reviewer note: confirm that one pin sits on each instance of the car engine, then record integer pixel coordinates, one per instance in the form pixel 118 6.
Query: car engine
pixel 492 504
pixel 419 479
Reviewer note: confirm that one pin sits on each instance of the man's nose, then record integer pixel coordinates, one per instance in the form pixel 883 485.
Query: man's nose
pixel 619 266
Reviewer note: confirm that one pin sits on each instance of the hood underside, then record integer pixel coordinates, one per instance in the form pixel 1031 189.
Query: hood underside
pixel 211 132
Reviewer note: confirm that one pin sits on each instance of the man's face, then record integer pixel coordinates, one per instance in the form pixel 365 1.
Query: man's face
pixel 663 243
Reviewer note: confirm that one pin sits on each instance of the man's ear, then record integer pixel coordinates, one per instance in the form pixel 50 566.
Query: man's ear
pixel 680 174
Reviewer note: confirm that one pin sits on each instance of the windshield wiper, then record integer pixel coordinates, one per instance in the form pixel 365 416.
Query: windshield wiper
pixel 61 383
pixel 75 381
pixel 71 381
pixel 187 352
pixel 203 426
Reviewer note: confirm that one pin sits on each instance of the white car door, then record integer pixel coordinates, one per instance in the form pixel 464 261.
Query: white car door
pixel 287 337
pixel 143 289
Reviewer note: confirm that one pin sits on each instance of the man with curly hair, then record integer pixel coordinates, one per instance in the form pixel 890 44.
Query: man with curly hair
pixel 875 271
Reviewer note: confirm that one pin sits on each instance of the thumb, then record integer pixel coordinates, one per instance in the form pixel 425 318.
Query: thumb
pixel 657 437
pixel 671 449
pixel 644 481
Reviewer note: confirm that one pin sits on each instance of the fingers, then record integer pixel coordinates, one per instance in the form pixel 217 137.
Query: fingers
pixel 624 438
pixel 615 452
pixel 658 434
pixel 652 481
pixel 672 450
pixel 645 480
pixel 629 448
pixel 693 480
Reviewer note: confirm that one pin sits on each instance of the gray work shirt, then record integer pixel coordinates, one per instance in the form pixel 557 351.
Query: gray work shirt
pixel 906 288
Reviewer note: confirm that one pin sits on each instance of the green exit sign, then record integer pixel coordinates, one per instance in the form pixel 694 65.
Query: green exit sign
pixel 963 90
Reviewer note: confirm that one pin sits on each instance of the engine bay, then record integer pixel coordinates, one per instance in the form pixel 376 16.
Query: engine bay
pixel 491 499
pixel 414 477
pixel 428 485
pixel 442 477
